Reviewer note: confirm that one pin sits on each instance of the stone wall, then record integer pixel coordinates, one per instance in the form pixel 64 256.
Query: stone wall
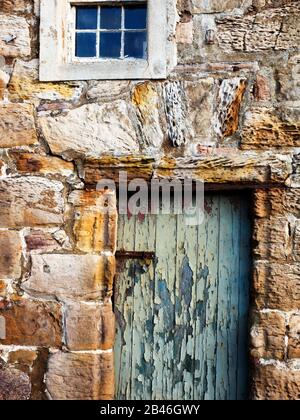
pixel 228 113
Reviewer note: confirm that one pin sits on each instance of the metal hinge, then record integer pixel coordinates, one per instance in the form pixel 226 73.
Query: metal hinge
pixel 139 255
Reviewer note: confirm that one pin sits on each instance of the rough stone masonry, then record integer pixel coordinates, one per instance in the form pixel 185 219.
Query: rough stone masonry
pixel 229 113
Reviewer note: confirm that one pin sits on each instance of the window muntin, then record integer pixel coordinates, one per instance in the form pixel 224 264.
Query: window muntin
pixel 111 32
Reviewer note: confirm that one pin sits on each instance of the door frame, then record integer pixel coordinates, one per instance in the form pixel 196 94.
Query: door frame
pixel 265 176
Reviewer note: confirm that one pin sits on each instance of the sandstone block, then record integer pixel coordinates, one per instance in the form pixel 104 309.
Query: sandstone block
pixel 262 88
pixel 38 240
pixel 30 201
pixel 24 84
pixel 294 337
pixel 107 129
pixel 289 79
pixel 75 376
pixel 273 383
pixel 17 126
pixel 95 220
pixel 264 128
pixel 10 254
pixel 272 238
pixel 14 6
pixel 15 37
pixel 276 286
pixel 83 277
pixel 277 202
pixel 215 6
pixel 147 102
pixel 185 32
pixel 268 335
pixel 2 288
pixel 266 30
pixel 89 326
pixel 101 90
pixel 200 108
pixel 4 79
pixel 48 165
pixel 32 323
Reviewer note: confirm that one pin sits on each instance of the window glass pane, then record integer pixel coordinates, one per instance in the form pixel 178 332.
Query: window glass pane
pixel 135 44
pixel 85 44
pixel 110 45
pixel 86 17
pixel 135 17
pixel 110 17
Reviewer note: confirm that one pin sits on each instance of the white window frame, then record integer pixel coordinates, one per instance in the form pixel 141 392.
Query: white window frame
pixel 57 41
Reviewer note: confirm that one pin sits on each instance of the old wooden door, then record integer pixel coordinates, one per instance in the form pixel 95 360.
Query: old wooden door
pixel 182 317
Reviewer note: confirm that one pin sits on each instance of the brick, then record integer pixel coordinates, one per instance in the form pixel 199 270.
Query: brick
pixel 89 326
pixel 32 323
pixel 37 164
pixel 83 277
pixel 10 254
pixel 17 127
pixel 294 337
pixel 273 383
pixel 271 238
pixel 30 201
pixel 15 37
pixel 14 385
pixel 276 286
pixel 75 376
pixel 95 220
pixel 268 335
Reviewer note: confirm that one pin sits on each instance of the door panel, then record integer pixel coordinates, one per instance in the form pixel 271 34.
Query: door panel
pixel 182 317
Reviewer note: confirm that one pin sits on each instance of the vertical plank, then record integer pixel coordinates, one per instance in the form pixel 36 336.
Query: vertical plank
pixel 163 330
pixel 225 275
pixel 189 275
pixel 233 294
pixel 210 274
pixel 243 296
pixel 142 328
pixel 124 304
pixel 199 309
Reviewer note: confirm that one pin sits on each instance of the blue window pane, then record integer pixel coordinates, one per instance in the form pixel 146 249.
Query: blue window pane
pixel 110 45
pixel 135 17
pixel 86 17
pixel 135 44
pixel 110 17
pixel 85 45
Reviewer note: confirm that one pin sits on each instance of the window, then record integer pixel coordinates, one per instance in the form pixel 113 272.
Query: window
pixel 111 32
pixel 87 39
